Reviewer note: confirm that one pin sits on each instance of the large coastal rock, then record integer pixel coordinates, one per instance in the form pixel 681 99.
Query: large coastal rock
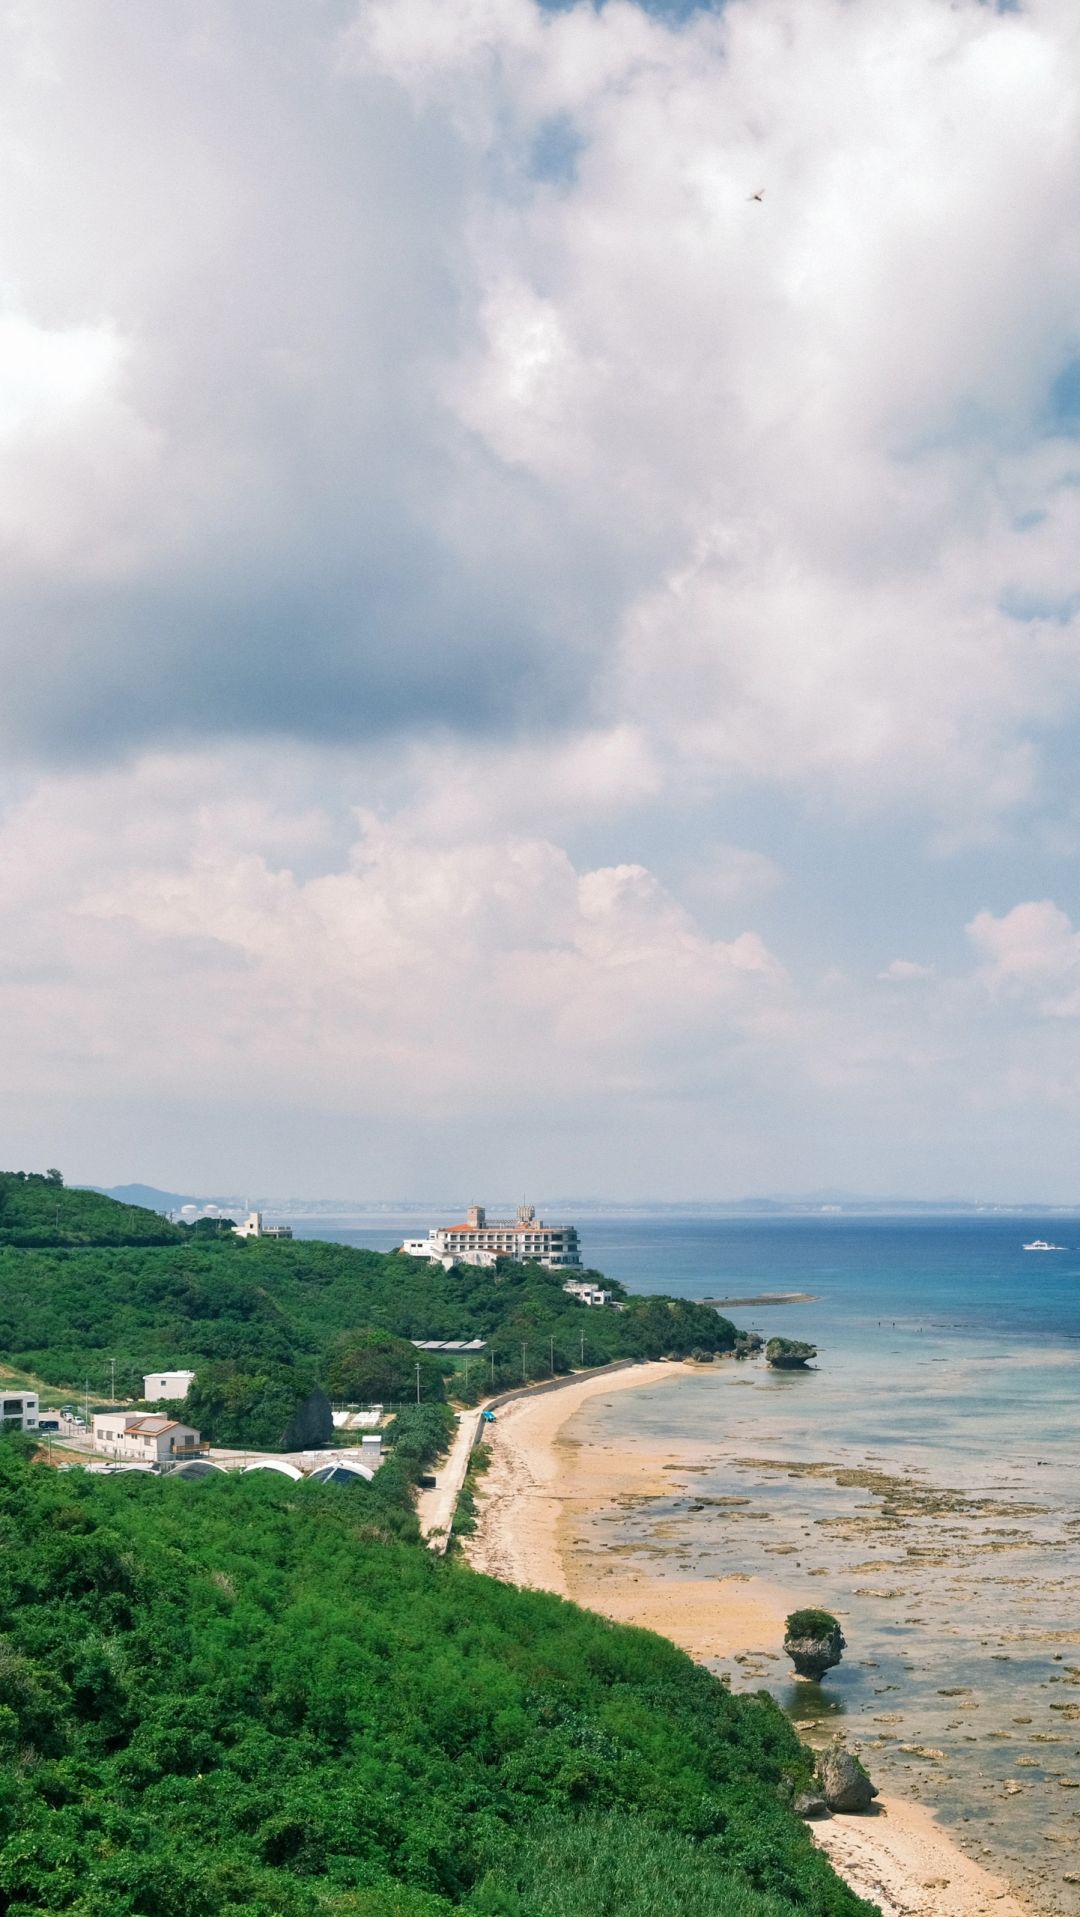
pixel 810 1804
pixel 788 1354
pixel 814 1642
pixel 845 1785
pixel 311 1423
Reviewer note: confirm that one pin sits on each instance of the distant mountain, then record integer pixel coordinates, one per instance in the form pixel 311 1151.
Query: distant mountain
pixel 146 1195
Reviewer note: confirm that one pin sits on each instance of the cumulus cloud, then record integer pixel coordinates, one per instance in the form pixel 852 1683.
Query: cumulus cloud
pixel 409 969
pixel 818 423
pixel 905 971
pixel 335 412
pixel 1031 954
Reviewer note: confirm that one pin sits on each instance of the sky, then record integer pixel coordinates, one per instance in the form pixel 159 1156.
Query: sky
pixel 539 596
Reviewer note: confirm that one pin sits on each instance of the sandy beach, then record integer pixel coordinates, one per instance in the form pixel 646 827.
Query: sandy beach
pixel 540 1482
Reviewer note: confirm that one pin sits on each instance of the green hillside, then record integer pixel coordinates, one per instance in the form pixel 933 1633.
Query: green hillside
pixel 67 1310
pixel 251 1697
pixel 36 1208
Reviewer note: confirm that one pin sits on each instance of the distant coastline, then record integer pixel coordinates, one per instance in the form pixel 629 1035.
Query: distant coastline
pixel 829 1206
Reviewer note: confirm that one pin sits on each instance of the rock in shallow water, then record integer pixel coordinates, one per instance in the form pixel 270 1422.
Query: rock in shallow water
pixel 814 1642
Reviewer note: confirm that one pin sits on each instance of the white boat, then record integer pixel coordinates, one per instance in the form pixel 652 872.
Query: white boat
pixel 1040 1244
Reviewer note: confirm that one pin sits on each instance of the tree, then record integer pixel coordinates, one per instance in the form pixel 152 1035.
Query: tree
pixel 373 1367
pixel 241 1407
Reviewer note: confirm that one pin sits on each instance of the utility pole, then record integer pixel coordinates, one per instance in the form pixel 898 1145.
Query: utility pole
pixel 493 1370
pixel 112 1367
pixel 86 1403
pixel 551 1342
pixel 583 1347
pixel 466 1371
pixel 524 1379
pixel 418 1381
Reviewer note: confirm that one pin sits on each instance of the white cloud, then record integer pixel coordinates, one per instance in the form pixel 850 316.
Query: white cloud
pixel 1030 954
pixel 368 427
pixel 905 971
pixel 413 971
pixel 807 421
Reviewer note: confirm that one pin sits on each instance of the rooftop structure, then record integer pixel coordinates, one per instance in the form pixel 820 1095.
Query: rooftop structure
pixel 449 1344
pixel 481 1240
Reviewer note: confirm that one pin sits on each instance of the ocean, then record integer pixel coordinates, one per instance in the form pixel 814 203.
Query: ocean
pixel 921 1481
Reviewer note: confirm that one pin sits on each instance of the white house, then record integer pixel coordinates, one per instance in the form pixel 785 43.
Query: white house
pixel 480 1240
pixel 153 1440
pixel 158 1385
pixel 20 1408
pixel 588 1294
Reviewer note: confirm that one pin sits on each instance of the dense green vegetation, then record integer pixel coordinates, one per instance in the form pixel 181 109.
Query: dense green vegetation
pixel 264 1320
pixel 374 1367
pixel 812 1623
pixel 37 1209
pixel 254 1406
pixel 249 1696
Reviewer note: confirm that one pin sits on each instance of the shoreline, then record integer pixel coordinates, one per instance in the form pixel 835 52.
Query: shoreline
pixel 542 1480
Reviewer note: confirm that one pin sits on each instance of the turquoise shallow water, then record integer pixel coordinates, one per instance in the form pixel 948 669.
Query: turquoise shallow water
pixel 922 1482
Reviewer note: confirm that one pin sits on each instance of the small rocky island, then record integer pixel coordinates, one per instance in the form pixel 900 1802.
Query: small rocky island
pixel 814 1642
pixel 788 1354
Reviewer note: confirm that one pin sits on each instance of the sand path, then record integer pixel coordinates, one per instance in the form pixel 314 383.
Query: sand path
pixel 540 1483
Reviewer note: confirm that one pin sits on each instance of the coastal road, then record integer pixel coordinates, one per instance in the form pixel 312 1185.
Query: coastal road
pixel 435 1509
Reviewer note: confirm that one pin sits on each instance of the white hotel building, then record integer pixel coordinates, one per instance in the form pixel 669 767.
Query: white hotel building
pixel 479 1241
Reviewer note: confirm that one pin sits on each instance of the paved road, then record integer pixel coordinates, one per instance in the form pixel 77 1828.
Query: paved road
pixel 435 1509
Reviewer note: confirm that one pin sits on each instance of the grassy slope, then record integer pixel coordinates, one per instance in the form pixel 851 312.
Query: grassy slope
pixel 248 1696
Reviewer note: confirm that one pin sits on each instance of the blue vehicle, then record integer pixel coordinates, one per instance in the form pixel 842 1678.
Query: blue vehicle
pixel 488 1417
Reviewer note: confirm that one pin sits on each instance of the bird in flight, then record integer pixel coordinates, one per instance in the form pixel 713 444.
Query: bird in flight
pixel 759 195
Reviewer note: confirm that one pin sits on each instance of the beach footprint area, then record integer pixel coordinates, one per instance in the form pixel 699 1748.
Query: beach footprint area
pixel 929 1503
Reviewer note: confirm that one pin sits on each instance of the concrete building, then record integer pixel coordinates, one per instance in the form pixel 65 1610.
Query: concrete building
pixel 253 1227
pixel 20 1408
pixel 481 1240
pixel 153 1440
pixel 158 1385
pixel 588 1294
